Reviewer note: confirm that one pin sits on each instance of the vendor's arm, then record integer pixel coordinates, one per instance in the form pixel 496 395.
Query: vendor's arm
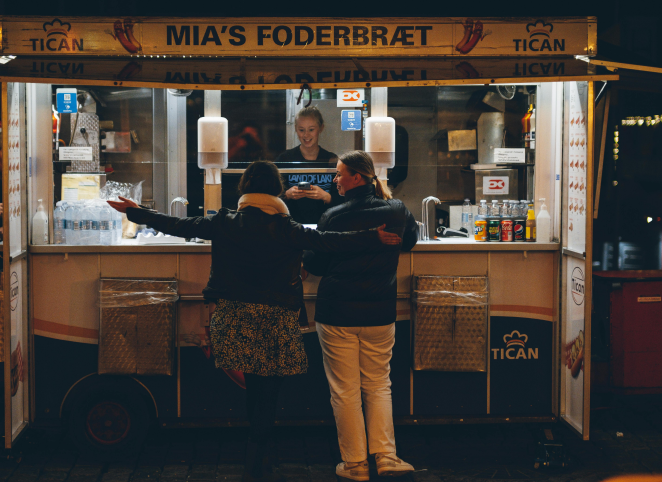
pixel 195 227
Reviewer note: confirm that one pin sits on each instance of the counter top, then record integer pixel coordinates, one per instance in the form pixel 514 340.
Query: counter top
pixel 127 246
pixel 446 244
pixel 466 244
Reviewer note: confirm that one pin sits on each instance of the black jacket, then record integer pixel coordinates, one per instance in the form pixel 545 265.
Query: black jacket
pixel 255 257
pixel 359 289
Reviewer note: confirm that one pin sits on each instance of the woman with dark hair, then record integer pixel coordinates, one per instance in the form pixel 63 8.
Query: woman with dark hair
pixel 355 313
pixel 256 258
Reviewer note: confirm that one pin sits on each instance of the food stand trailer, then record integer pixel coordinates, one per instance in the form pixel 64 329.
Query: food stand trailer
pixel 519 352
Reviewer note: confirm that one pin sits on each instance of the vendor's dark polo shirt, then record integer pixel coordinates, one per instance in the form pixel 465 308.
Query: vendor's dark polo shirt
pixel 309 211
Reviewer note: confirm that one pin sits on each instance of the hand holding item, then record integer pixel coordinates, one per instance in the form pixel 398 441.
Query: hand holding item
pixel 387 238
pixel 316 192
pixel 295 193
pixel 122 204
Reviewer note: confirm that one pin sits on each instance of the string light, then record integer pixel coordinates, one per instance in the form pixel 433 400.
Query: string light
pixel 640 121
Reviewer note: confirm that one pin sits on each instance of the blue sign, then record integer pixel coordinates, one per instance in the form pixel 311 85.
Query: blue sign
pixel 351 120
pixel 66 101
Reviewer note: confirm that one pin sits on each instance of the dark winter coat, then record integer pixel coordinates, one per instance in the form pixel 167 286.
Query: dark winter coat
pixel 359 289
pixel 255 257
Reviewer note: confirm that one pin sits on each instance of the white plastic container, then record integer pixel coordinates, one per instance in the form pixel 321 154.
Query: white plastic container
pixel 40 225
pixel 380 141
pixel 212 143
pixel 543 224
pixel 60 223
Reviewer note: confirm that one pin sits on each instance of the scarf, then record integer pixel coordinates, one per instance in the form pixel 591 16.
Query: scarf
pixel 265 202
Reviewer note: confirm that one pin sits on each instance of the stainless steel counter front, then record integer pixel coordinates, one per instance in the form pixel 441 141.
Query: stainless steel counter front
pixel 447 244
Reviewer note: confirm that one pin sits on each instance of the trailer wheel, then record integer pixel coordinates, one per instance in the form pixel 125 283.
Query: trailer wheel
pixel 108 420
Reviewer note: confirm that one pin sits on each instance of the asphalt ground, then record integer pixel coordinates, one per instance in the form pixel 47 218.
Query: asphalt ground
pixel 626 438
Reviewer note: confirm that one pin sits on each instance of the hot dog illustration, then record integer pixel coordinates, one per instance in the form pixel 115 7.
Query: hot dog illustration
pixel 475 37
pixel 119 35
pixel 128 30
pixel 468 29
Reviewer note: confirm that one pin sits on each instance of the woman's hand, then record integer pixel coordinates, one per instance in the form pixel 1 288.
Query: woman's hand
pixel 317 192
pixel 387 238
pixel 122 204
pixel 295 193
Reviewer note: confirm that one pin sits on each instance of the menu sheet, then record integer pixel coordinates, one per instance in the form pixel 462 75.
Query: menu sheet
pixel 576 147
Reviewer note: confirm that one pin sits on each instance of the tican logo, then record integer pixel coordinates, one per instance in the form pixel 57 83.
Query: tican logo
pixel 61 28
pixel 539 27
pixel 515 348
pixel 539 39
pixel 577 286
pixel 57 38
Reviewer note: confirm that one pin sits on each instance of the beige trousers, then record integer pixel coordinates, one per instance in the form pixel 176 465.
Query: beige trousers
pixel 357 365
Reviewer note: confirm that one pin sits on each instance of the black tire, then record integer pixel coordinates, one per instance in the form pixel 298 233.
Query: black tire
pixel 108 420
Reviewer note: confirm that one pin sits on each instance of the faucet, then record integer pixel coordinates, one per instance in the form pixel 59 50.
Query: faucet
pixel 178 199
pixel 426 222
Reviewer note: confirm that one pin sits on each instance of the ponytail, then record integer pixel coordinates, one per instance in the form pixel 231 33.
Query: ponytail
pixel 360 162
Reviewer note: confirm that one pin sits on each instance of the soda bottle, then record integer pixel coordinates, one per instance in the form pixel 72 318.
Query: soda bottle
pixel 467 216
pixel 59 223
pixel 531 225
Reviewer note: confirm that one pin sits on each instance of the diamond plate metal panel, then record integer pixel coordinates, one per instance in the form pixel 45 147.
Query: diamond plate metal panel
pixel 450 326
pixel 85 133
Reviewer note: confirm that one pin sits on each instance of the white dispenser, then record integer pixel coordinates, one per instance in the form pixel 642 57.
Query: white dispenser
pixel 40 225
pixel 380 141
pixel 543 224
pixel 212 143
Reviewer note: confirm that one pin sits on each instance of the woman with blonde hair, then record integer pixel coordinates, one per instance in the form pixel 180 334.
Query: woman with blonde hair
pixel 307 205
pixel 355 313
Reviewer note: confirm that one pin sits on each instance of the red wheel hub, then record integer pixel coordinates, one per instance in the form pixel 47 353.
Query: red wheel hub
pixel 108 423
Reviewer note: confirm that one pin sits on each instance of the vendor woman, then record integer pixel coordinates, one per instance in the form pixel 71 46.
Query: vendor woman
pixel 307 205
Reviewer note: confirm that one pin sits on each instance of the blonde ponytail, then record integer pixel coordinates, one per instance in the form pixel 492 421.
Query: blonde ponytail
pixel 361 162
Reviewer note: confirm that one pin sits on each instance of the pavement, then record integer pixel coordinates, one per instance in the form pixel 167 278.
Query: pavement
pixel 626 438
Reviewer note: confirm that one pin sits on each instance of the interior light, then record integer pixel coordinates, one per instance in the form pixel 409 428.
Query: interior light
pixel 649 219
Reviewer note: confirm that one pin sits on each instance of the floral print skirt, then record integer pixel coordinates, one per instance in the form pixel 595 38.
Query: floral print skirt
pixel 260 339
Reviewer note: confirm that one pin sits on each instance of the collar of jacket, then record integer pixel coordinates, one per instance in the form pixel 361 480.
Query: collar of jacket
pixel 360 191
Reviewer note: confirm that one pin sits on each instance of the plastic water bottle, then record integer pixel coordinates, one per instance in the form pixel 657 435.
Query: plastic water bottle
pixel 94 219
pixel 482 210
pixel 467 216
pixel 40 225
pixel 59 223
pixel 79 234
pixel 69 223
pixel 106 225
pixel 117 226
pixel 543 222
